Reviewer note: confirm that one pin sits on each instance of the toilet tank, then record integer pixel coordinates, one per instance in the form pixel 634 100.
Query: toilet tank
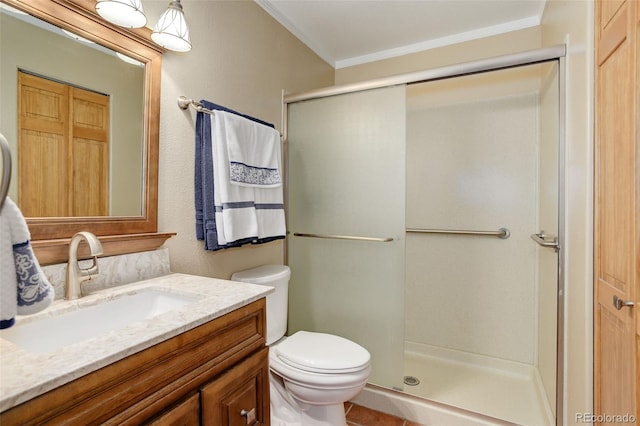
pixel 274 276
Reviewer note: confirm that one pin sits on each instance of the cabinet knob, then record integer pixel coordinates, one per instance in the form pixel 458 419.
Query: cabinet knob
pixel 250 416
pixel 619 303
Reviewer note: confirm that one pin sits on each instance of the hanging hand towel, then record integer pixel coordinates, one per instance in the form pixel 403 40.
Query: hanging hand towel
pixel 252 212
pixel 206 228
pixel 24 289
pixel 270 206
pixel 236 219
pixel 254 152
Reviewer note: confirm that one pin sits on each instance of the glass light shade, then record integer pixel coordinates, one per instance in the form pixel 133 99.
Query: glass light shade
pixel 125 13
pixel 171 31
pixel 76 36
pixel 129 60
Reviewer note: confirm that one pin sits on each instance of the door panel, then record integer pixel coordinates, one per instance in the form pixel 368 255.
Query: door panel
pixel 90 153
pixel 42 147
pixel 616 263
pixel 347 178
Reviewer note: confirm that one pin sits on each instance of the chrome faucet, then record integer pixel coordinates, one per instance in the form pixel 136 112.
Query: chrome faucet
pixel 75 275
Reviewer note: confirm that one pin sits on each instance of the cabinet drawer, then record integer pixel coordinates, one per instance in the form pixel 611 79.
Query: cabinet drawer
pixel 240 396
pixel 186 413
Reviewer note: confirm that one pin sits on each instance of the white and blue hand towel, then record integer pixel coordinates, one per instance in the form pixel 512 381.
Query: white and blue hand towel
pixel 254 152
pixel 254 211
pixel 235 205
pixel 24 289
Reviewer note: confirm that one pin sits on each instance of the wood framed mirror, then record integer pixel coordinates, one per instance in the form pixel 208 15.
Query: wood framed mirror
pixel 122 233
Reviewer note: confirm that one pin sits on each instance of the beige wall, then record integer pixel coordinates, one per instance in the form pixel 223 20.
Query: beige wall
pixel 516 41
pixel 241 58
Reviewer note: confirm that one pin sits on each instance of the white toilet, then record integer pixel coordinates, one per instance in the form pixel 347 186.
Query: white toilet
pixel 312 374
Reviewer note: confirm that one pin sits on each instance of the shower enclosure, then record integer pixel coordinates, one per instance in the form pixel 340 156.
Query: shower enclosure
pixel 424 225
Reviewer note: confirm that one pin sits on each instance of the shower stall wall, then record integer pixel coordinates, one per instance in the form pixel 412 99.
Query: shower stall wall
pixel 466 320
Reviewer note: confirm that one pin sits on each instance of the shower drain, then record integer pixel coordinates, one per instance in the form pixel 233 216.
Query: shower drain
pixel 411 381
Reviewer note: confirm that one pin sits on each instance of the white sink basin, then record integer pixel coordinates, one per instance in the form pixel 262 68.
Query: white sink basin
pixel 60 329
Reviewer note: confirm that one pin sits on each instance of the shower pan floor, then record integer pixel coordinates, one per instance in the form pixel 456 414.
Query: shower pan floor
pixel 501 389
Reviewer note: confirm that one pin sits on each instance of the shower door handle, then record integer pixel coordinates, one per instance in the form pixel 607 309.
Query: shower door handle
pixel 542 240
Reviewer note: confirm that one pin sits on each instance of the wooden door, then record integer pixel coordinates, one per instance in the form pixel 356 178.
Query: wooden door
pixel 42 146
pixel 63 149
pixel 616 238
pixel 89 118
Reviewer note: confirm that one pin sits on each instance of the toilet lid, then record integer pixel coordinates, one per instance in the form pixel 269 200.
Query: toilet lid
pixel 322 353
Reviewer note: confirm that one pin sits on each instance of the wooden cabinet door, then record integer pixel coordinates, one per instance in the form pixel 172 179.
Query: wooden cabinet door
pixel 616 237
pixel 240 396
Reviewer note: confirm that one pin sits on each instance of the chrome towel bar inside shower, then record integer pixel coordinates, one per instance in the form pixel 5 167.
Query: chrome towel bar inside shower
pixel 345 237
pixel 503 233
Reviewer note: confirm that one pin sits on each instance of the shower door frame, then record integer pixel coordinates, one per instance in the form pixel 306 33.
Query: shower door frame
pixel 531 57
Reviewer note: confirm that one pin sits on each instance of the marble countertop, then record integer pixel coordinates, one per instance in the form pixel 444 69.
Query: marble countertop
pixel 25 375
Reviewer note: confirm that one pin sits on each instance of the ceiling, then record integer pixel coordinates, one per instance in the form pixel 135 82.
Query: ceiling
pixel 352 32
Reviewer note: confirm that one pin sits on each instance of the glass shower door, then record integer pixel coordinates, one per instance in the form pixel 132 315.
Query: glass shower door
pixel 346 212
pixel 548 224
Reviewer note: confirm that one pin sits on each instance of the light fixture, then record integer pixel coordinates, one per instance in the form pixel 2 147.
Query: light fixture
pixel 125 13
pixel 129 60
pixel 171 31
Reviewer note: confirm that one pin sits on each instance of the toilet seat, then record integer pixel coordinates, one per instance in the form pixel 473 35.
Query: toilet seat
pixel 322 353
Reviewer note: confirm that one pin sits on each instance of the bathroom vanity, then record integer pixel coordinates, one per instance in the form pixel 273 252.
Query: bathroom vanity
pixel 202 363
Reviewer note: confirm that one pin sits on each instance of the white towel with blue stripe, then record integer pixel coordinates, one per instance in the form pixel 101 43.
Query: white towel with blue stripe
pixel 254 152
pixel 236 219
pixel 24 289
pixel 252 210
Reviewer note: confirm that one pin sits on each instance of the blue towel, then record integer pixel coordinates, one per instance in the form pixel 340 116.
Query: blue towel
pixel 206 229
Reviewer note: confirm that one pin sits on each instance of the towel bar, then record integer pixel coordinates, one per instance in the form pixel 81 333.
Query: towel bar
pixel 503 233
pixel 184 103
pixel 345 237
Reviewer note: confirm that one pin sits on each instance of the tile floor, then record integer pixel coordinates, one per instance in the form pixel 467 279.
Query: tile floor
pixel 358 415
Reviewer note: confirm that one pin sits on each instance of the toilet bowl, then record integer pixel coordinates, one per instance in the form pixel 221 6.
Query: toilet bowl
pixel 312 374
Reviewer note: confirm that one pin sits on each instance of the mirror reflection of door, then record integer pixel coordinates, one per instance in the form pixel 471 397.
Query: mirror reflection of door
pixel 63 147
